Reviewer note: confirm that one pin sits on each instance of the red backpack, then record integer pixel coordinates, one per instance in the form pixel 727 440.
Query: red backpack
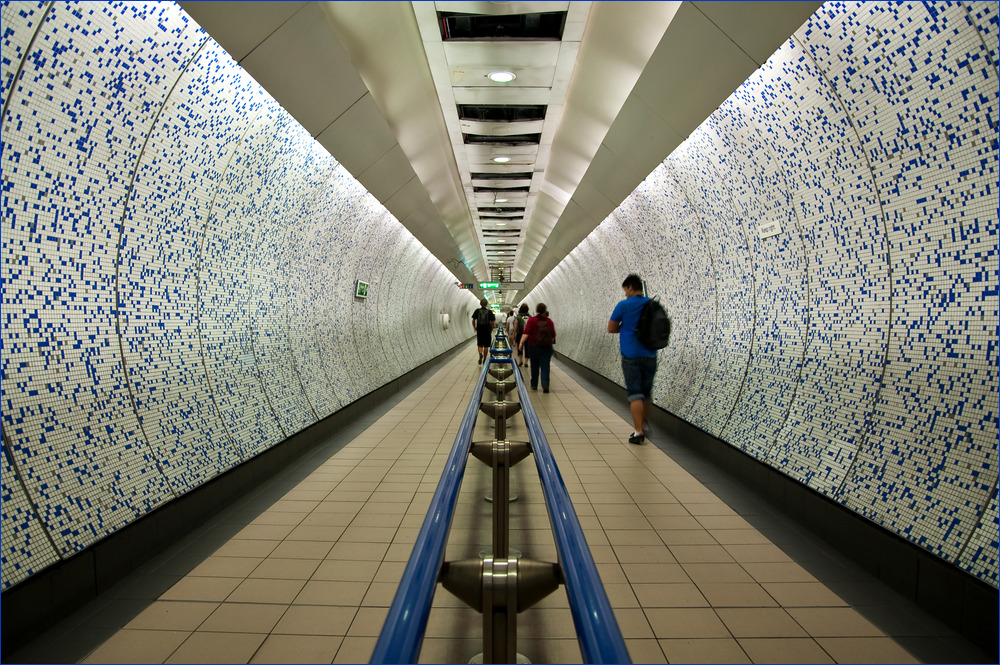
pixel 543 332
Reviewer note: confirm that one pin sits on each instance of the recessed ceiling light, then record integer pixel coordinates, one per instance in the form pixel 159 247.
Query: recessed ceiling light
pixel 501 77
pixel 501 200
pixel 501 240
pixel 501 160
pixel 501 223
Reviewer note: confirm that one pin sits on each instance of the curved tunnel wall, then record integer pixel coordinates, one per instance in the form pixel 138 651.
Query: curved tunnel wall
pixel 856 350
pixel 179 264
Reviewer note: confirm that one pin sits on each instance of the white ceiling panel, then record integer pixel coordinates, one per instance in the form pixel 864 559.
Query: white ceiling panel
pixel 476 75
pixel 388 174
pixel 501 184
pixel 754 25
pixel 499 95
pixel 239 27
pixel 523 55
pixel 379 88
pixel 358 150
pixel 501 8
pixel 303 66
pixel 501 128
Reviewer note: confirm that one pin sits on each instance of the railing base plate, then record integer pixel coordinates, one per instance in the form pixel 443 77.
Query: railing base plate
pixel 478 659
pixel 511 499
pixel 487 553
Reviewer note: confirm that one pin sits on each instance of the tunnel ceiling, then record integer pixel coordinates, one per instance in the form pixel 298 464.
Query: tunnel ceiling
pixel 399 93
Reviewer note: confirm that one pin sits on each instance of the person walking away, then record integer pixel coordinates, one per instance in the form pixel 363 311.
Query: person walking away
pixel 510 327
pixel 539 336
pixel 638 362
pixel 483 321
pixel 522 320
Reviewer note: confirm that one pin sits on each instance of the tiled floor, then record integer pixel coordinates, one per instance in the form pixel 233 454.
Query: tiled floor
pixel 304 570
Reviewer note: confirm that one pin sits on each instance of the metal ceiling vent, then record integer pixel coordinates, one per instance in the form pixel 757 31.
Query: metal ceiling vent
pixel 541 26
pixel 501 112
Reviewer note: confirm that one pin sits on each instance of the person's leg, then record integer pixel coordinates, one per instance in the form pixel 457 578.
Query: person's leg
pixel 648 374
pixel 632 371
pixel 544 360
pixel 637 407
pixel 533 359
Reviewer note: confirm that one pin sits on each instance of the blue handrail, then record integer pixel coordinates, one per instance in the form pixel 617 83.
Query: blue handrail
pixel 403 632
pixel 597 629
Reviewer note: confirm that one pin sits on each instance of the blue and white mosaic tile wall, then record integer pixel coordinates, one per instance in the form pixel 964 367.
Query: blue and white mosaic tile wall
pixel 856 350
pixel 179 261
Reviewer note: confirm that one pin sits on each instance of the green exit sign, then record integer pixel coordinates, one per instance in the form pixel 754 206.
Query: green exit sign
pixel 489 285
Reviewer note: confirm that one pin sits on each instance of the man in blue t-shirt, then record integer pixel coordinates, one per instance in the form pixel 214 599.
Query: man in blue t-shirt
pixel 638 362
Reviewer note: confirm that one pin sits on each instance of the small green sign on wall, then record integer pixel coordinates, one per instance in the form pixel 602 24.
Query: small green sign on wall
pixel 361 289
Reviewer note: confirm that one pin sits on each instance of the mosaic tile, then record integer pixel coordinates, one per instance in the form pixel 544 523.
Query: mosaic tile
pixel 179 258
pixel 870 342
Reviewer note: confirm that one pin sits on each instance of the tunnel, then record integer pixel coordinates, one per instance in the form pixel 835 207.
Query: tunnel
pixel 234 231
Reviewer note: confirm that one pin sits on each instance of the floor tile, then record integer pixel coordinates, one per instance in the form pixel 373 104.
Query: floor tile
pixel 343 570
pixel 217 648
pixel 138 646
pixel 669 595
pixel 243 618
pixel 172 615
pixel 298 649
pixel 784 650
pixel 719 650
pixel 834 622
pixel 225 566
pixel 285 569
pixel 355 650
pixel 368 622
pixel 865 650
pixel 710 573
pixel 315 620
pixel 302 549
pixel 201 588
pixel 685 623
pixel 323 592
pixel 736 594
pixel 803 594
pixel 266 591
pixel 759 622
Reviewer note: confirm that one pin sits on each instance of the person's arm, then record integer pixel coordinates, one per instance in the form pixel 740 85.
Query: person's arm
pixel 615 323
pixel 529 327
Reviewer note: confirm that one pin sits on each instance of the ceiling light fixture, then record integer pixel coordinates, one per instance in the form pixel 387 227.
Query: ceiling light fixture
pixel 501 77
pixel 501 160
pixel 501 223
pixel 500 200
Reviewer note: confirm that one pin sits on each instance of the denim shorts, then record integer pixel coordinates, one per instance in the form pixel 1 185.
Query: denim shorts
pixel 639 373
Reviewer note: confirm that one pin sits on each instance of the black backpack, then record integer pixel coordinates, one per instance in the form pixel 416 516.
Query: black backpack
pixel 654 325
pixel 482 317
pixel 521 319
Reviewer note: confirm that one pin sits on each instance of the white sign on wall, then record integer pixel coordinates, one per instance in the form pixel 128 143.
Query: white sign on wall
pixel 769 229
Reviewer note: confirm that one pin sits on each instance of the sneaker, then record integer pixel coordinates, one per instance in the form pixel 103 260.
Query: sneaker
pixel 480 360
pixel 545 390
pixel 636 439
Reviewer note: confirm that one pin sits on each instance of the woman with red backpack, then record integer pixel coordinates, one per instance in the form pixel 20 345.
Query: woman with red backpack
pixel 539 336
